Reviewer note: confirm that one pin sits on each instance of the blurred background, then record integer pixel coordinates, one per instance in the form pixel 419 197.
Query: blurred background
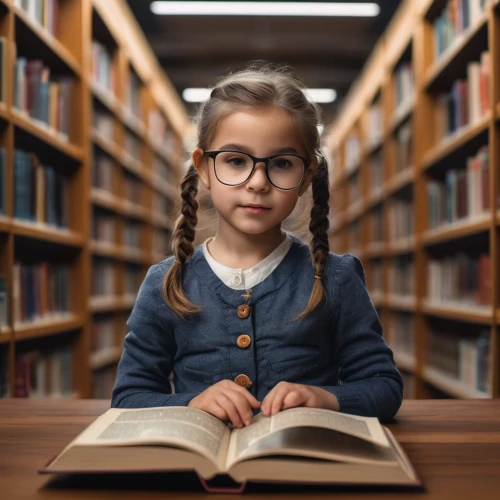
pixel 96 128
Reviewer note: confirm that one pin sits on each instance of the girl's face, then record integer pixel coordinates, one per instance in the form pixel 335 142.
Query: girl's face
pixel 261 133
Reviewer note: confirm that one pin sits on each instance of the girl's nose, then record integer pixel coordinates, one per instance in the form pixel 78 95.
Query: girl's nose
pixel 259 178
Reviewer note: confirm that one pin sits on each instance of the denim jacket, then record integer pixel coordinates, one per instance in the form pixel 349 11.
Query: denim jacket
pixel 339 347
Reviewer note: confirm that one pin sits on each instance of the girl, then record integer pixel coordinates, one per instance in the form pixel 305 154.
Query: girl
pixel 253 319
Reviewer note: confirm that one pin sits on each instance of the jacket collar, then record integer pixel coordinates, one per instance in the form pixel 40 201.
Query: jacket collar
pixel 290 265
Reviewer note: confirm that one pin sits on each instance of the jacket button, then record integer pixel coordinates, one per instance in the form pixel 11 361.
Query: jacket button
pixel 243 311
pixel 243 341
pixel 243 380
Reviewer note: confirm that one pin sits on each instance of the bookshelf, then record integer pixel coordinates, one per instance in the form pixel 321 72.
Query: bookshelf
pixel 91 153
pixel 432 268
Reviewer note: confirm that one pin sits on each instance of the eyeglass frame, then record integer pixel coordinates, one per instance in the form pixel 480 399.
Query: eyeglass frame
pixel 255 159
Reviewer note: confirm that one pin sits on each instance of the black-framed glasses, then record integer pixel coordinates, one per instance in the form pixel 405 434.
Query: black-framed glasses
pixel 284 171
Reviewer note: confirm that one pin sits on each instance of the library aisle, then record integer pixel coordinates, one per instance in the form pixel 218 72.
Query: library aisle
pixel 90 156
pixel 92 149
pixel 416 155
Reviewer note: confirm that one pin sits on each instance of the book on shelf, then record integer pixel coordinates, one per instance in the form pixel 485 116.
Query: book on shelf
pixel 103 227
pixel 44 12
pixel 103 123
pixel 465 359
pixel 464 194
pixel 455 20
pixel 400 218
pixel 4 304
pixel 402 276
pixel 103 73
pixel 103 171
pixel 402 333
pixel 102 334
pixel 352 151
pixel 298 445
pixel 3 68
pixel 3 182
pixel 375 125
pixel 404 146
pixel 43 373
pixel 103 381
pixel 460 279
pixel 103 277
pixel 45 99
pixel 40 193
pixel 40 291
pixel 404 85
pixel 467 101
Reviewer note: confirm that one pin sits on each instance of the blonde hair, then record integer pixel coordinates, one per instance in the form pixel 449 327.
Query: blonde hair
pixel 257 86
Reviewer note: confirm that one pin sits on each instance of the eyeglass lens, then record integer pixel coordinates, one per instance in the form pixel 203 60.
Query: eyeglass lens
pixel 285 171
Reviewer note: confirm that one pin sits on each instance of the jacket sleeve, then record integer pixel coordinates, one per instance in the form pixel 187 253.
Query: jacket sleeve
pixel 369 382
pixel 148 352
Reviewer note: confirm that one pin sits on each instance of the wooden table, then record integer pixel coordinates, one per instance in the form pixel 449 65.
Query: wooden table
pixel 453 445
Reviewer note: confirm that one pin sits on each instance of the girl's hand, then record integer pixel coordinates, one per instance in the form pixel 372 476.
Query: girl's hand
pixel 286 395
pixel 227 401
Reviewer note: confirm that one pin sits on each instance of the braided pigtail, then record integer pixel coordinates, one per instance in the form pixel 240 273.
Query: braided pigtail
pixel 319 228
pixel 182 246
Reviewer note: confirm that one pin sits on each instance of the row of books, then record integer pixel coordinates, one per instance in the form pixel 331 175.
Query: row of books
pixel 46 99
pixel 40 193
pixel 133 279
pixel 465 193
pixel 3 182
pixel 404 146
pixel 375 276
pixel 352 151
pixel 103 123
pixel 374 124
pixel 103 72
pixel 103 171
pixel 132 234
pixel 456 18
pixel 4 304
pixel 354 189
pixel 401 217
pixel 402 333
pixel 404 84
pixel 40 291
pixel 160 168
pixel 460 279
pixel 133 94
pixel 376 171
pixel 376 225
pixel 102 334
pixel 354 236
pixel 44 374
pixel 402 276
pixel 44 12
pixel 132 146
pixel 103 277
pixel 466 359
pixel 468 100
pixel 103 227
pixel 161 204
pixel 132 189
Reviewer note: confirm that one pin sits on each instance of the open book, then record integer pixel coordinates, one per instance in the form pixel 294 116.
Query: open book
pixel 305 445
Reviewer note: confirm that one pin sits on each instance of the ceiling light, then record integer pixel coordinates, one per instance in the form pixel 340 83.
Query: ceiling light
pixel 330 9
pixel 314 95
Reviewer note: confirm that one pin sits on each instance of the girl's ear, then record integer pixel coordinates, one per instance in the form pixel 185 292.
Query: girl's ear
pixel 200 163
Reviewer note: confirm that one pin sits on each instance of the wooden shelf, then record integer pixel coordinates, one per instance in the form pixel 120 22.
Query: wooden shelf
pixel 374 250
pixel 5 335
pixel 105 357
pixel 405 361
pixel 450 385
pixel 105 199
pixel 105 97
pixel 459 312
pixel 57 48
pixel 49 136
pixel 106 304
pixel 401 246
pixel 497 111
pixel 457 230
pixel 133 123
pixel 497 316
pixel 5 223
pixel 452 53
pixel 46 327
pixel 105 249
pixel 375 198
pixel 401 115
pixel 135 255
pixel 134 166
pixel 135 211
pixel 354 211
pixel 399 181
pixel 47 233
pixel 163 222
pixel 460 138
pixel 107 146
pixel 377 298
pixel 401 303
pixel 164 187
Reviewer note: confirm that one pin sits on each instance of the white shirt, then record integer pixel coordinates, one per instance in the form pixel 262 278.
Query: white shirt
pixel 239 279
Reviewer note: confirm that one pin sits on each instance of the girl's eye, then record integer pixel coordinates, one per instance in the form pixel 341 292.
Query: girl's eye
pixel 237 162
pixel 281 163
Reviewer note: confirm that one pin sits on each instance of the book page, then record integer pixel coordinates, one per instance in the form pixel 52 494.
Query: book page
pixel 364 428
pixel 176 426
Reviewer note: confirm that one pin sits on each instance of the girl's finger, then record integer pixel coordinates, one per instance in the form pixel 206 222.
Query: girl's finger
pixel 242 405
pixel 225 402
pixel 254 403
pixel 217 411
pixel 278 399
pixel 293 399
